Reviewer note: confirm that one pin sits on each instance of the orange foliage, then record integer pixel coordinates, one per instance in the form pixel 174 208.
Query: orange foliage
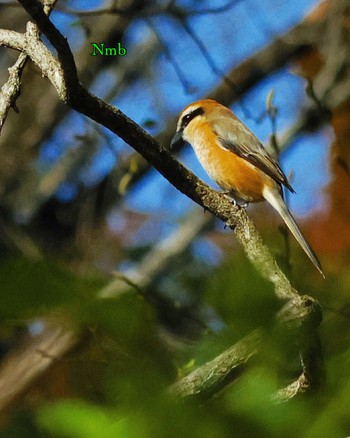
pixel 331 230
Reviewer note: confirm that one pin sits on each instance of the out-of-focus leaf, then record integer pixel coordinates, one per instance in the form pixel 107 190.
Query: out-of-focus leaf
pixel 242 298
pixel 29 288
pixel 77 419
pixel 250 398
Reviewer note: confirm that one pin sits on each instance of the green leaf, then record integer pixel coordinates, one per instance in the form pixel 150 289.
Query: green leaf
pixel 30 288
pixel 77 419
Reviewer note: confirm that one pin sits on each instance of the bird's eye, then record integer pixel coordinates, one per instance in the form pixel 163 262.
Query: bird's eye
pixel 188 117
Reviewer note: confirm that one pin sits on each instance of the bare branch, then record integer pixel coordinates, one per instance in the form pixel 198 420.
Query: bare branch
pixel 297 318
pixel 21 368
pixel 226 79
pixel 12 39
pixel 160 257
pixel 208 379
pixel 11 90
pixel 217 10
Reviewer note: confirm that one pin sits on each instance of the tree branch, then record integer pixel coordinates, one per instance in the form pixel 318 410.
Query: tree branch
pixel 161 255
pixel 208 379
pixel 299 316
pixel 11 89
pixel 20 370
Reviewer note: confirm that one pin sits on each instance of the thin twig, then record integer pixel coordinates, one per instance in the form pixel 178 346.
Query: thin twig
pixel 10 91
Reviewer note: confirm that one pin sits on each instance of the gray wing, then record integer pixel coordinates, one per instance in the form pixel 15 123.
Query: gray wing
pixel 234 136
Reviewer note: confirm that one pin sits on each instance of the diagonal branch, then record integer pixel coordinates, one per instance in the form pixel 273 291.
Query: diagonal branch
pixel 60 43
pixel 11 89
pixel 18 371
pixel 209 378
pixel 298 316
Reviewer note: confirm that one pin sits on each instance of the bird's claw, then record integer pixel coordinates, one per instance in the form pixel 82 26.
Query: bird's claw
pixel 234 202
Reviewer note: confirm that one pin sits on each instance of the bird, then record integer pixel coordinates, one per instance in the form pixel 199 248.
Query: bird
pixel 237 161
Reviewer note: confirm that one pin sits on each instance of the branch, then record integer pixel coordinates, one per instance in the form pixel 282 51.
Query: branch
pixel 160 257
pixel 60 43
pixel 299 316
pixel 172 59
pixel 10 91
pixel 214 375
pixel 19 370
pixel 12 39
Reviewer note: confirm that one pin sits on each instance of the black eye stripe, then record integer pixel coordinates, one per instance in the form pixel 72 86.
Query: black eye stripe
pixel 188 117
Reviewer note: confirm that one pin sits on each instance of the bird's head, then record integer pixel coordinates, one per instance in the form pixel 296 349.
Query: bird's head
pixel 191 116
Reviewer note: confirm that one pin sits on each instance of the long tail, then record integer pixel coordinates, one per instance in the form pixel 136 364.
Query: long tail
pixel 274 198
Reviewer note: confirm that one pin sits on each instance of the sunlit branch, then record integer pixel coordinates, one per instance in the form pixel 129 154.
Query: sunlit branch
pixel 10 91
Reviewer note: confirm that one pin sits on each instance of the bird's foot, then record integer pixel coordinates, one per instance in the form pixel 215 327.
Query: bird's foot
pixel 244 205
pixel 234 202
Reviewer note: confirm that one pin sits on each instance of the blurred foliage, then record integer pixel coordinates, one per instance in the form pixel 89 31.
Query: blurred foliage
pixel 115 384
pixel 30 288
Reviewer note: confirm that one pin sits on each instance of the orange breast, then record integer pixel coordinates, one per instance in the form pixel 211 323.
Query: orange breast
pixel 229 171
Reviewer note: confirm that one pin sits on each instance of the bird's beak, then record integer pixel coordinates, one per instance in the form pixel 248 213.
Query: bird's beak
pixel 177 139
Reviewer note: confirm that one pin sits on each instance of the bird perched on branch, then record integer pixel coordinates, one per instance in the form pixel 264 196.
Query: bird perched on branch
pixel 236 160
